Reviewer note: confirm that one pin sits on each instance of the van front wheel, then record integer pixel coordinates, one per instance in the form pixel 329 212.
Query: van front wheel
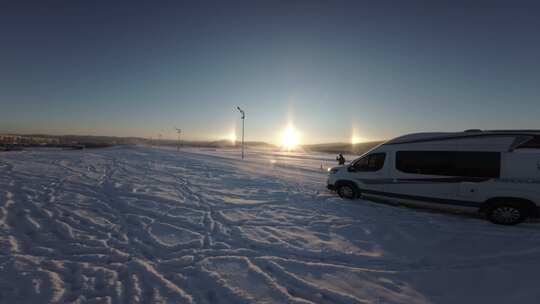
pixel 347 191
pixel 506 214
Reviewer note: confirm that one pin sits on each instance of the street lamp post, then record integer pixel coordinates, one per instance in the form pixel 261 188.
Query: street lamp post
pixel 243 118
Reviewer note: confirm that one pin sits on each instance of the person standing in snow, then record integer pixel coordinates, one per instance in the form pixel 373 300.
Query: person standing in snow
pixel 340 159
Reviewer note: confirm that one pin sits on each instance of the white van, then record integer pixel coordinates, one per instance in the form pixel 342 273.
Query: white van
pixel 494 172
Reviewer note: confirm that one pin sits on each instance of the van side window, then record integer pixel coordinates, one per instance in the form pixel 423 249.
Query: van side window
pixel 450 163
pixel 370 163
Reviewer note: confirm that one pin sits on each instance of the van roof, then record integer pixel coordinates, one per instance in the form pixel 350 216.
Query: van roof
pixel 437 136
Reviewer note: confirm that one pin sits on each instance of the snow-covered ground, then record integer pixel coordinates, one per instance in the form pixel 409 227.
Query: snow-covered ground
pixel 142 225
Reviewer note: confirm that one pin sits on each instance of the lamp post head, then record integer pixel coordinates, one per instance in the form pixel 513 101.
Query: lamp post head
pixel 242 112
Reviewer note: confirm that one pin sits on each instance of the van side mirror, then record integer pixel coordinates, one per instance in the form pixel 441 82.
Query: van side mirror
pixel 351 169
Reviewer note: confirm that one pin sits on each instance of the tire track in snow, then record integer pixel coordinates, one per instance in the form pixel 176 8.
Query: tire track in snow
pixel 138 225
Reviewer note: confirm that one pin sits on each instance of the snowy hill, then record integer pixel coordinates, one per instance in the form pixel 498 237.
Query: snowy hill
pixel 142 225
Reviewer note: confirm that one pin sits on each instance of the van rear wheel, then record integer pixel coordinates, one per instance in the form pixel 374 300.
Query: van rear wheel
pixel 506 214
pixel 347 191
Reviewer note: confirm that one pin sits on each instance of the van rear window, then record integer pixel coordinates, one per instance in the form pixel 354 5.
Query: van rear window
pixel 450 163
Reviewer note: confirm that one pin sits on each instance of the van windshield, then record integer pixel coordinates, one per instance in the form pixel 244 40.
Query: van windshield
pixel 533 143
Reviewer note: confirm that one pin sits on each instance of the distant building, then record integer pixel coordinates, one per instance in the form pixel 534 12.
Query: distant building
pixel 14 139
pixel 9 138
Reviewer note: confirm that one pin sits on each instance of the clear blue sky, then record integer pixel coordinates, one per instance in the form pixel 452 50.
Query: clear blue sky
pixel 381 67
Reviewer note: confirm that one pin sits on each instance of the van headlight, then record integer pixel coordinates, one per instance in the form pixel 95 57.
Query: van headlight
pixel 333 170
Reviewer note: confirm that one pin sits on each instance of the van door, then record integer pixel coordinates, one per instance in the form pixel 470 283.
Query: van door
pixel 441 178
pixel 419 179
pixel 369 172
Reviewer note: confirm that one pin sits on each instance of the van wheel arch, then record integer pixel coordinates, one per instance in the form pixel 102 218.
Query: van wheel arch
pixel 525 207
pixel 529 205
pixel 341 183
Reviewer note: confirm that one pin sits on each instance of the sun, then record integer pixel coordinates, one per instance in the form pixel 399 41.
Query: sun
pixel 356 140
pixel 232 137
pixel 355 137
pixel 290 138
